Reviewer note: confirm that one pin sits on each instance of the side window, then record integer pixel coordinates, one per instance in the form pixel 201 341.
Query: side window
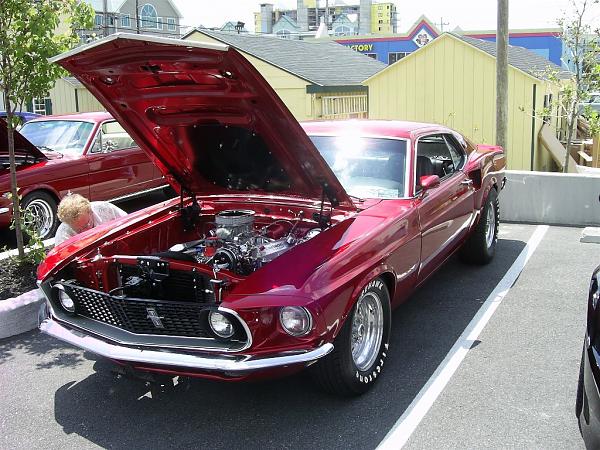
pixel 457 152
pixel 112 137
pixel 433 157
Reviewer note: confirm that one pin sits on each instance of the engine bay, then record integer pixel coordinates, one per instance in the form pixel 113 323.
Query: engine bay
pixel 237 244
pixel 190 254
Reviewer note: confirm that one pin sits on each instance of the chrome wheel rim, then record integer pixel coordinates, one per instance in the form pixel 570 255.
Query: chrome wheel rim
pixel 367 330
pixel 39 217
pixel 490 226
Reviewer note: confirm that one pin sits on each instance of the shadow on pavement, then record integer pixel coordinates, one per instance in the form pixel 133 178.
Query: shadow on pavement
pixel 290 412
pixel 51 352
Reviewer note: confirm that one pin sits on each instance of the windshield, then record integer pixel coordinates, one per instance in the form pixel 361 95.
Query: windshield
pixel 64 136
pixel 366 167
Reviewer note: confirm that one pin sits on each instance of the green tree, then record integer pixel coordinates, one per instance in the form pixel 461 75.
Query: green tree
pixel 581 41
pixel 31 31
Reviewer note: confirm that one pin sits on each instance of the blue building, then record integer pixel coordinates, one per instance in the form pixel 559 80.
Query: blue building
pixel 389 49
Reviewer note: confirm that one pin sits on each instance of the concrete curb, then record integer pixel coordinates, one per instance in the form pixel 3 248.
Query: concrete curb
pixel 14 252
pixel 590 235
pixel 20 314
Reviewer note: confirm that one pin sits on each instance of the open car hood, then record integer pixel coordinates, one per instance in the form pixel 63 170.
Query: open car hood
pixel 23 148
pixel 206 116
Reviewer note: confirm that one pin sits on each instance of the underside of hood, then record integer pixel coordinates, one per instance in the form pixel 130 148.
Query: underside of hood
pixel 205 115
pixel 23 148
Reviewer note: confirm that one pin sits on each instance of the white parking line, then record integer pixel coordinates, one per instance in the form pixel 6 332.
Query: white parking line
pixel 416 411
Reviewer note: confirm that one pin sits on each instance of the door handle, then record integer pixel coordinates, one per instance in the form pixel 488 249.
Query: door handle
pixel 468 182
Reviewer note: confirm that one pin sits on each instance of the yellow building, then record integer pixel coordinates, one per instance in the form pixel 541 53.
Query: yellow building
pixel 68 96
pixel 452 81
pixel 383 18
pixel 315 80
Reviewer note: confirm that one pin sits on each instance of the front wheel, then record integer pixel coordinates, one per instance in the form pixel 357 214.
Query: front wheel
pixel 40 214
pixel 481 245
pixel 360 348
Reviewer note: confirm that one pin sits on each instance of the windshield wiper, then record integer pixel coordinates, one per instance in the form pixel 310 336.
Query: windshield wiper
pixel 358 199
pixel 44 148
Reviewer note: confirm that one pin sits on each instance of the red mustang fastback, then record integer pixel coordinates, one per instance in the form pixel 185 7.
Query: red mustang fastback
pixel 86 153
pixel 288 246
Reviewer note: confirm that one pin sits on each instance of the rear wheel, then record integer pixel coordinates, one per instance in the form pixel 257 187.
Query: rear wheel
pixel 40 213
pixel 481 245
pixel 361 346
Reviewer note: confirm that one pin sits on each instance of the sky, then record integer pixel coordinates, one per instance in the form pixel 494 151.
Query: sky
pixel 467 14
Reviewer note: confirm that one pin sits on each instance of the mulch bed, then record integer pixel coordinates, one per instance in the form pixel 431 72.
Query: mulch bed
pixel 16 279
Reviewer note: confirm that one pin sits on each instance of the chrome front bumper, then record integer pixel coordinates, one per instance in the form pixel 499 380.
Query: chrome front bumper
pixel 221 363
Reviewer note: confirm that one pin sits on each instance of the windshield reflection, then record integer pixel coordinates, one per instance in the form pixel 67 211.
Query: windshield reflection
pixel 366 167
pixel 64 136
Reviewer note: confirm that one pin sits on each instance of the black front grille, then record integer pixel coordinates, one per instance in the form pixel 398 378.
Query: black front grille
pixel 135 315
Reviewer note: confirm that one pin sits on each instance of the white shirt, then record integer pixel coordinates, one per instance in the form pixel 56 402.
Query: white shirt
pixel 102 212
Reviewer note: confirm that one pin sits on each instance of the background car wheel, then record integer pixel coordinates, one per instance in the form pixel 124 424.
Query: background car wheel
pixel 360 348
pixel 41 209
pixel 481 245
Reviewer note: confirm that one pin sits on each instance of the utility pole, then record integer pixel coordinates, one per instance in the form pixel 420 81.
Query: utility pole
pixel 327 14
pixel 502 75
pixel 137 16
pixel 105 18
pixel 442 24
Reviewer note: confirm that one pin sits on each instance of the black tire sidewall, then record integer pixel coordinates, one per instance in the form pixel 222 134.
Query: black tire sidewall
pixel 50 201
pixel 359 380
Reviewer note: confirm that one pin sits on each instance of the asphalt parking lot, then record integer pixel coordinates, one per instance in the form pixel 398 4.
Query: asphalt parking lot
pixel 514 388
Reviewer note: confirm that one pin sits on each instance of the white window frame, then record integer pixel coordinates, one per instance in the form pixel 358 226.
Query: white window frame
pixel 37 101
pixel 123 17
pixel 337 31
pixel 284 34
pixel 171 24
pixel 149 22
pixel 99 20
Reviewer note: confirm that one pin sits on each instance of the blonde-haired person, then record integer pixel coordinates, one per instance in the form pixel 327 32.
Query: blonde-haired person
pixel 78 214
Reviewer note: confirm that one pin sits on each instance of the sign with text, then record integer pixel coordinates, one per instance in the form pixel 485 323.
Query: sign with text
pixel 361 47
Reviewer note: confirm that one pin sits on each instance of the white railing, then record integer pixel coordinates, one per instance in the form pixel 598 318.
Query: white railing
pixel 345 106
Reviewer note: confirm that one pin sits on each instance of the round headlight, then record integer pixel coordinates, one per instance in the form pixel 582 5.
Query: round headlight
pixel 220 324
pixel 295 320
pixel 66 301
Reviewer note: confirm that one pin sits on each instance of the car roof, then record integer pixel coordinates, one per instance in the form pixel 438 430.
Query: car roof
pixel 376 128
pixel 97 116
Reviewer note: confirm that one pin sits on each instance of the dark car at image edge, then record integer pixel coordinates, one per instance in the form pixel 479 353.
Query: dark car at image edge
pixel 587 407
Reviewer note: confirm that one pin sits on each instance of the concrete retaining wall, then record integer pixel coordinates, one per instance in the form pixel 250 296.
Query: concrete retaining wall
pixel 551 198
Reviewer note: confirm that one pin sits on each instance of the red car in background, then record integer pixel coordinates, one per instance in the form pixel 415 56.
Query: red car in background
pixel 89 154
pixel 288 246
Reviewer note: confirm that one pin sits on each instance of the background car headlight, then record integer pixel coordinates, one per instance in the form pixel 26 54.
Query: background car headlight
pixel 65 301
pixel 220 324
pixel 295 320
